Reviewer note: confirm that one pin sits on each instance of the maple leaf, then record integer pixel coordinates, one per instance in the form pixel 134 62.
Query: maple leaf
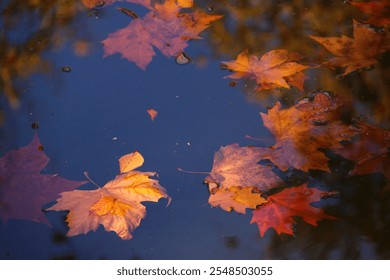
pixel 185 3
pixel 300 131
pixel 164 28
pixel 236 198
pixel 236 166
pixel 274 69
pixel 24 189
pixel 282 207
pixel 378 11
pixel 116 205
pixel 361 51
pixel 369 150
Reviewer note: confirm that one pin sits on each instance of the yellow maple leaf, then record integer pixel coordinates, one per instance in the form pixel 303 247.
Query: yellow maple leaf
pixel 185 3
pixel 236 198
pixel 116 205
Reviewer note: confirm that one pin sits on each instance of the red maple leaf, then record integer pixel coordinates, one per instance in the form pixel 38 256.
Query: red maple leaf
pixel 379 11
pixel 24 189
pixel 282 207
pixel 164 28
pixel 369 150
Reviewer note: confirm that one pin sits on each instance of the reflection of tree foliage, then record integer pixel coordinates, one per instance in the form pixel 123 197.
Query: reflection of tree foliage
pixel 264 25
pixel 28 29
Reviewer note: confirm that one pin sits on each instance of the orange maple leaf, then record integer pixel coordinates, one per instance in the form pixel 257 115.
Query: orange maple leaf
pixel 303 129
pixel 274 69
pixel 361 51
pixel 282 207
pixel 185 3
pixel 378 11
pixel 116 205
pixel 164 28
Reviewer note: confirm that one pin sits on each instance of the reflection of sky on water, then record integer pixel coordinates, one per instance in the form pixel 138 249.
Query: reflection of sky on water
pixel 95 113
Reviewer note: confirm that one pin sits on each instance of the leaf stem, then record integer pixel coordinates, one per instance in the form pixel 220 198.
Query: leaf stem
pixel 89 179
pixel 192 172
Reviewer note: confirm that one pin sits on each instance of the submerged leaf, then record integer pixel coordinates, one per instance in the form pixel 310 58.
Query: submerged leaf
pixel 369 150
pixel 24 190
pixel 378 11
pixel 357 53
pixel 236 166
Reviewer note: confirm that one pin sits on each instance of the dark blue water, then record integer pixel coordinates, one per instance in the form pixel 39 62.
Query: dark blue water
pixel 95 113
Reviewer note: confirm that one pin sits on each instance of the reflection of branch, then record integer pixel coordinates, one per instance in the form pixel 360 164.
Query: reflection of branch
pixel 43 24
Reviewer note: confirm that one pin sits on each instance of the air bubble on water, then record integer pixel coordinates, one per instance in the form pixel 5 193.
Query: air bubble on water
pixel 319 122
pixel 66 69
pixel 209 9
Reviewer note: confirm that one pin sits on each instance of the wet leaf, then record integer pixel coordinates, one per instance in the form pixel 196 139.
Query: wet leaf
pixel 90 4
pixel 236 198
pixel 282 207
pixel 300 131
pixel 378 10
pixel 163 28
pixel 185 3
pixel 369 150
pixel 275 69
pixel 116 205
pixel 236 166
pixel 24 189
pixel 357 53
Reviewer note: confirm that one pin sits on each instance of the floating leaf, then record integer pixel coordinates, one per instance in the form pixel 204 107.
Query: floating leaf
pixel 274 69
pixel 300 131
pixel 282 207
pixel 116 205
pixel 163 28
pixel 24 190
pixel 360 52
